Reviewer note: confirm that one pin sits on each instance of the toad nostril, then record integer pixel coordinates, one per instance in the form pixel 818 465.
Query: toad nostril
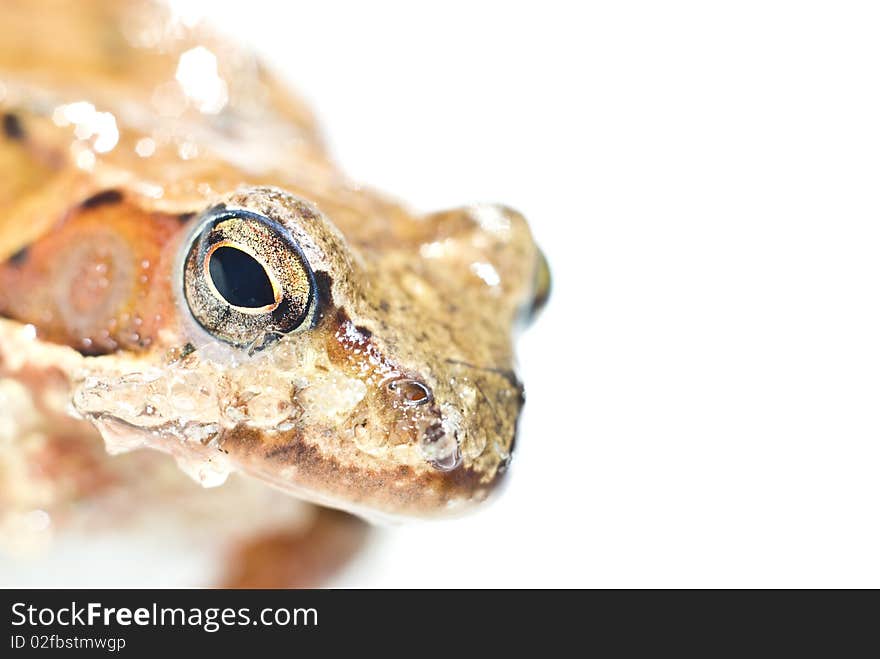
pixel 411 392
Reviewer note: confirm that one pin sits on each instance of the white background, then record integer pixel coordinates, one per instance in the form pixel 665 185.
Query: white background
pixel 703 388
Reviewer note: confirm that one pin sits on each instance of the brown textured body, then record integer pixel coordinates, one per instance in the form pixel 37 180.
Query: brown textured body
pixel 121 128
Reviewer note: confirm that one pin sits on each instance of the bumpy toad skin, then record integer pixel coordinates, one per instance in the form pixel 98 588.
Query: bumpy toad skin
pixel 123 132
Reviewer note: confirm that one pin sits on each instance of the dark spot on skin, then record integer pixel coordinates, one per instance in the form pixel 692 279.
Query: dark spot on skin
pixel 188 349
pixel 20 257
pixel 12 127
pixel 362 336
pixel 384 306
pixel 324 294
pixel 105 198
pixel 183 218
pixel 324 283
pixel 434 433
pixel 306 211
pixel 306 453
pixel 282 451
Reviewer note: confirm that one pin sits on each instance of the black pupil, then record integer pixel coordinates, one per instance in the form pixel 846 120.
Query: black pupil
pixel 240 278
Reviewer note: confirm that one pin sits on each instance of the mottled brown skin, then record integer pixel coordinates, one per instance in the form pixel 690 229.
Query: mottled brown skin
pixel 399 392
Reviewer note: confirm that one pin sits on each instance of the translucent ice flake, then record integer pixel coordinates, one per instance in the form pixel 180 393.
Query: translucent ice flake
pixel 441 451
pixel 234 412
pixel 272 402
pixel 439 442
pixel 367 439
pixel 257 396
pixel 208 472
pixel 332 396
pixel 139 399
pixel 191 396
pixel 269 410
pixel 203 433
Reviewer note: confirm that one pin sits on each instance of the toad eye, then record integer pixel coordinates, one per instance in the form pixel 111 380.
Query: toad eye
pixel 245 279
